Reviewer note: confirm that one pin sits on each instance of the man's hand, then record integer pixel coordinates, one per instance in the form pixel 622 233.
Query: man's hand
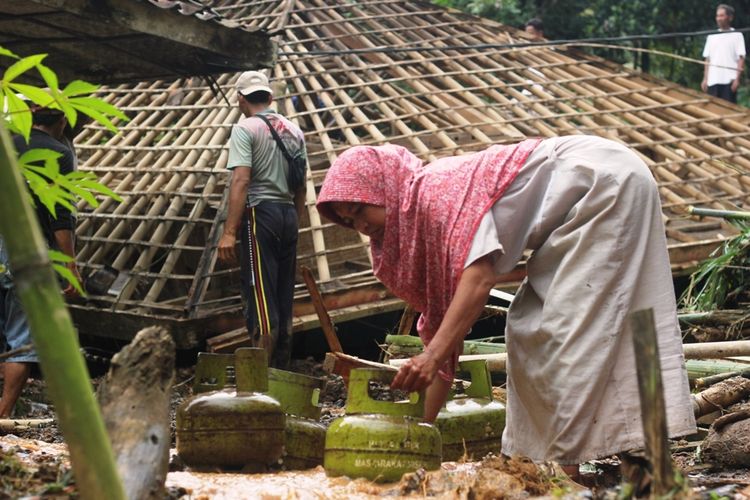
pixel 70 290
pixel 417 373
pixel 704 85
pixel 735 84
pixel 226 248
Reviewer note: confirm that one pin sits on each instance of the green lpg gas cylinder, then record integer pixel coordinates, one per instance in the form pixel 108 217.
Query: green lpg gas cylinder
pixel 472 423
pixel 379 440
pixel 230 427
pixel 305 435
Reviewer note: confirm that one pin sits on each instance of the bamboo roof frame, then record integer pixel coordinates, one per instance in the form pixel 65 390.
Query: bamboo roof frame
pixel 372 72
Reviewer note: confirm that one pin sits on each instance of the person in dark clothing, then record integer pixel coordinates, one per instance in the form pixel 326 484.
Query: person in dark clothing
pixel 58 229
pixel 264 210
pixel 48 133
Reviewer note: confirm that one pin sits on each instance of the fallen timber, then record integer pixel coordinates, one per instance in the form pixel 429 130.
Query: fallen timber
pixel 721 396
pixel 17 424
pixel 702 359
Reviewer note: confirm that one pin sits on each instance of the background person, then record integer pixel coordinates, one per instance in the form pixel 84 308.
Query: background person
pixel 265 212
pixel 724 53
pixel 48 126
pixel 535 29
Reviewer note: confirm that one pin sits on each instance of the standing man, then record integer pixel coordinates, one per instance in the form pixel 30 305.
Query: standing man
pixel 725 57
pixel 265 211
pixel 59 231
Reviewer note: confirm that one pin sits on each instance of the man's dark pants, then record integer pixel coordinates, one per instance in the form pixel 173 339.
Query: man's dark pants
pixel 269 252
pixel 723 91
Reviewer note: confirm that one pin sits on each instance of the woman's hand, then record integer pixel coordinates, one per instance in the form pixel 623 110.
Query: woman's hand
pixel 467 304
pixel 417 373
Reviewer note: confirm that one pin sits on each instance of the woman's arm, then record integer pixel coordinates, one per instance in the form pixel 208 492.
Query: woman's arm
pixel 467 304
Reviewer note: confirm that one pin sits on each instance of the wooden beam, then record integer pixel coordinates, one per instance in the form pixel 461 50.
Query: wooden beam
pixel 325 320
pixel 252 50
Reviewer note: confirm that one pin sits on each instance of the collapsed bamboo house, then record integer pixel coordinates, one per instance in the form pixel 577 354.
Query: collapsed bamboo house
pixel 434 80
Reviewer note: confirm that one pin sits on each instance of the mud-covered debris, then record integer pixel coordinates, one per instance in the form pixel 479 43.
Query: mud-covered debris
pixel 46 475
pixel 492 478
pixel 730 445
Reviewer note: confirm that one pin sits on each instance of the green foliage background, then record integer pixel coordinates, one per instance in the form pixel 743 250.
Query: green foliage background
pixel 572 19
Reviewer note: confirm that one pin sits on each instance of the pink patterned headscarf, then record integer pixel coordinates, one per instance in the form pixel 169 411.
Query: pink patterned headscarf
pixel 431 215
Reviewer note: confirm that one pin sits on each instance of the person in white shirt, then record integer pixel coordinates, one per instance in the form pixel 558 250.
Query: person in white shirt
pixel 725 57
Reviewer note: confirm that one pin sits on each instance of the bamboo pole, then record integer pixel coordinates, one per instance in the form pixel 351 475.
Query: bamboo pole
pixel 727 214
pixel 54 337
pixel 703 382
pixel 16 424
pixel 653 412
pixel 715 350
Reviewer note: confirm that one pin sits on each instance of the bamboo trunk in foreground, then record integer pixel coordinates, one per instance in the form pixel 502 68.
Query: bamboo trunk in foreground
pixel 54 338
pixel 651 391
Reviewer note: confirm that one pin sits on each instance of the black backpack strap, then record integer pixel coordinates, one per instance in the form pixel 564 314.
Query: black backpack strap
pixel 276 138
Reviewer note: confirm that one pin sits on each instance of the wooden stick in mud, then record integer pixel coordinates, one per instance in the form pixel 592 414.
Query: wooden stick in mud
pixel 15 424
pixel 325 320
pixel 134 397
pixel 651 390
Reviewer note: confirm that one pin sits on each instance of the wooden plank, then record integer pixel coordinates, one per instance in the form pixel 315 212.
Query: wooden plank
pixel 325 320
pixel 653 411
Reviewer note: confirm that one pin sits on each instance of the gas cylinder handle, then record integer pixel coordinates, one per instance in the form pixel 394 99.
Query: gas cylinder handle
pixel 251 367
pixel 210 371
pixel 481 381
pixel 359 400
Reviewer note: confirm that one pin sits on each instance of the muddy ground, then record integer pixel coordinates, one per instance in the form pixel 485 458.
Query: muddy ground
pixel 33 462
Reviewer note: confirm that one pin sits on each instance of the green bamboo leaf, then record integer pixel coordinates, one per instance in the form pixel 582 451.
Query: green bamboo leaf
pixel 85 195
pixel 99 105
pixel 13 129
pixel 79 87
pixel 35 94
pixel 67 109
pixel 22 66
pixel 101 188
pixel 97 116
pixel 69 277
pixel 50 78
pixel 39 155
pixel 57 256
pixel 39 170
pixel 19 114
pixel 6 52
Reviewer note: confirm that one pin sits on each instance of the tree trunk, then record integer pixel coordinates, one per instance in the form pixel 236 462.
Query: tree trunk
pixel 54 338
pixel 135 403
